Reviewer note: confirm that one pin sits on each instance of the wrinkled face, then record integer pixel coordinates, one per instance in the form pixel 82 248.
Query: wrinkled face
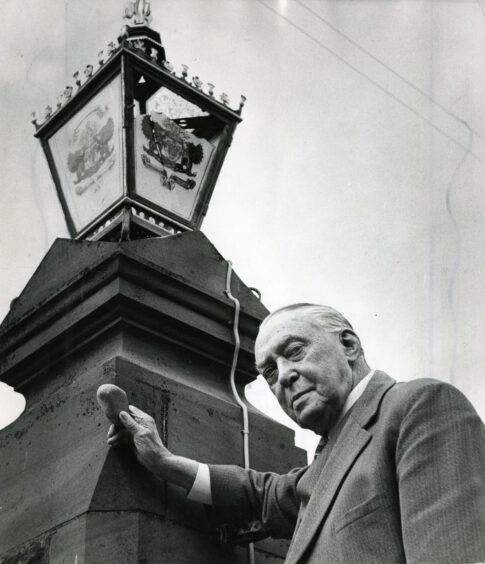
pixel 306 368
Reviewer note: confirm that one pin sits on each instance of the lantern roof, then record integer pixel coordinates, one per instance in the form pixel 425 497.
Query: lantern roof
pixel 145 43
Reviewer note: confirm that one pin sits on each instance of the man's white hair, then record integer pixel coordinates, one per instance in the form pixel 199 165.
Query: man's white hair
pixel 328 318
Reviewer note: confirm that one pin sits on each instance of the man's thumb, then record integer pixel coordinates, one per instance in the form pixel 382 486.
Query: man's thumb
pixel 127 421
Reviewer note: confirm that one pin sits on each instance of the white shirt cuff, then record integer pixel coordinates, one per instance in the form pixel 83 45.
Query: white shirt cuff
pixel 201 488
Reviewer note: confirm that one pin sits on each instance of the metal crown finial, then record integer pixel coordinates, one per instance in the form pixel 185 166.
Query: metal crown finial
pixel 138 11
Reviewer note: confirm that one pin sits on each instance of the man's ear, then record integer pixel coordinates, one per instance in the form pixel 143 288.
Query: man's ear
pixel 351 344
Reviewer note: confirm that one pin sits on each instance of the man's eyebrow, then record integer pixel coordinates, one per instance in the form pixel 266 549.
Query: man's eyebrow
pixel 279 348
pixel 259 367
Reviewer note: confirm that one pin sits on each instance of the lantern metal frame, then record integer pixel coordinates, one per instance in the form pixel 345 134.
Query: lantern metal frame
pixel 131 208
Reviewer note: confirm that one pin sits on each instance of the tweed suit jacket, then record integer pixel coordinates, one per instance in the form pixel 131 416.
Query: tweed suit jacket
pixel 402 479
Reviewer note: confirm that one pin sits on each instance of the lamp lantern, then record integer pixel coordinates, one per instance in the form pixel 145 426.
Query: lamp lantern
pixel 135 148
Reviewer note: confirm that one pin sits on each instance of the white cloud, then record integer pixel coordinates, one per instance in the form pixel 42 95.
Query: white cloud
pixel 258 395
pixel 12 404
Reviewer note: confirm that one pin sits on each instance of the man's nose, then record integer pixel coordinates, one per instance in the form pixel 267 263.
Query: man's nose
pixel 287 374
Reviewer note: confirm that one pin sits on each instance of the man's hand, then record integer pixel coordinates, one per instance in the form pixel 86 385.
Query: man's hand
pixel 139 431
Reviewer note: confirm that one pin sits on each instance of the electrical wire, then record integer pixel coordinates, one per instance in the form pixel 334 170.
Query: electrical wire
pixel 242 405
pixel 387 67
pixel 456 263
pixel 371 80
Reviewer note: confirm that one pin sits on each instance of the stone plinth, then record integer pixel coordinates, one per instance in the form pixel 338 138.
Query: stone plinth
pixel 152 317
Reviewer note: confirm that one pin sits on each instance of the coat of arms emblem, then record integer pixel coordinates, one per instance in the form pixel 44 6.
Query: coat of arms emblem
pixel 169 149
pixel 91 149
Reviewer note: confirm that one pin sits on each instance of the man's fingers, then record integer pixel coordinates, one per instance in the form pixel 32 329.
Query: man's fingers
pixel 132 423
pixel 128 421
pixel 137 412
pixel 122 437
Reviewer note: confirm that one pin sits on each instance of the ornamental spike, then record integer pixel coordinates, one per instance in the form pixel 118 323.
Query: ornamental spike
pixel 168 66
pixel 197 82
pixel 242 102
pixel 88 71
pixel 138 44
pixel 111 48
pixel 139 12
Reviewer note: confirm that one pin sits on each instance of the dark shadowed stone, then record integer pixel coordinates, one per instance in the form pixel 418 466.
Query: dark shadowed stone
pixel 33 552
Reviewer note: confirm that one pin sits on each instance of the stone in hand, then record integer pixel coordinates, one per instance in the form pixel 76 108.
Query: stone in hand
pixel 112 401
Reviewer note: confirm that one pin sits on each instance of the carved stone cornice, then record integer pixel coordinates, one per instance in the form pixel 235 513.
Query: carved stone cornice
pixel 171 287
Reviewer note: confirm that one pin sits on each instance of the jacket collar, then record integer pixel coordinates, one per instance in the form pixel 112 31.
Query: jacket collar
pixel 345 446
pixel 367 405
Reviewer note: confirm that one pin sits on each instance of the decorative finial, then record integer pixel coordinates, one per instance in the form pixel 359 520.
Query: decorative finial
pixel 242 102
pixel 197 82
pixel 77 79
pixel 124 33
pixel 60 99
pixel 168 66
pixel 185 71
pixel 101 58
pixel 34 120
pixel 139 44
pixel 111 48
pixel 68 92
pixel 154 54
pixel 139 12
pixel 224 98
pixel 210 89
pixel 88 71
pixel 48 112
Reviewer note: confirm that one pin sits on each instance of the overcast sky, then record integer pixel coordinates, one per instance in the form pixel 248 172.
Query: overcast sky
pixel 355 180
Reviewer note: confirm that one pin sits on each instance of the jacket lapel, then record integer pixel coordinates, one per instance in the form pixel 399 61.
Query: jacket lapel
pixel 345 446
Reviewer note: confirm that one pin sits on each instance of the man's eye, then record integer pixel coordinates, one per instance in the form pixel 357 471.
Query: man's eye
pixel 294 351
pixel 270 375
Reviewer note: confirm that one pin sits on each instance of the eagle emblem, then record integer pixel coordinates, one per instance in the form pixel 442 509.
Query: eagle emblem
pixel 91 153
pixel 170 147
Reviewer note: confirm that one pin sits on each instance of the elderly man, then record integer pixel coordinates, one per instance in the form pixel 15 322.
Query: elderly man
pixel 400 470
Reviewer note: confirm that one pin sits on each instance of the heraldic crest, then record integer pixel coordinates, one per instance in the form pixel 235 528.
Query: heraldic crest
pixel 170 147
pixel 91 153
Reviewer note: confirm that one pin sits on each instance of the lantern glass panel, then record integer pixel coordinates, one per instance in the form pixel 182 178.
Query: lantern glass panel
pixel 175 144
pixel 172 105
pixel 87 153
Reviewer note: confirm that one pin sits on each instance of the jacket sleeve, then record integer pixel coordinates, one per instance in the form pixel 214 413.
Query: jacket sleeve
pixel 262 502
pixel 440 467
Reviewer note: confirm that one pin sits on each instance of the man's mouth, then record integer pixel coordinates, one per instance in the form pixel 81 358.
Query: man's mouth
pixel 298 395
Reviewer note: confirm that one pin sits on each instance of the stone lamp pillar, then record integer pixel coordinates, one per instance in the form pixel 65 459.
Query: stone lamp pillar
pixel 152 317
pixel 136 298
